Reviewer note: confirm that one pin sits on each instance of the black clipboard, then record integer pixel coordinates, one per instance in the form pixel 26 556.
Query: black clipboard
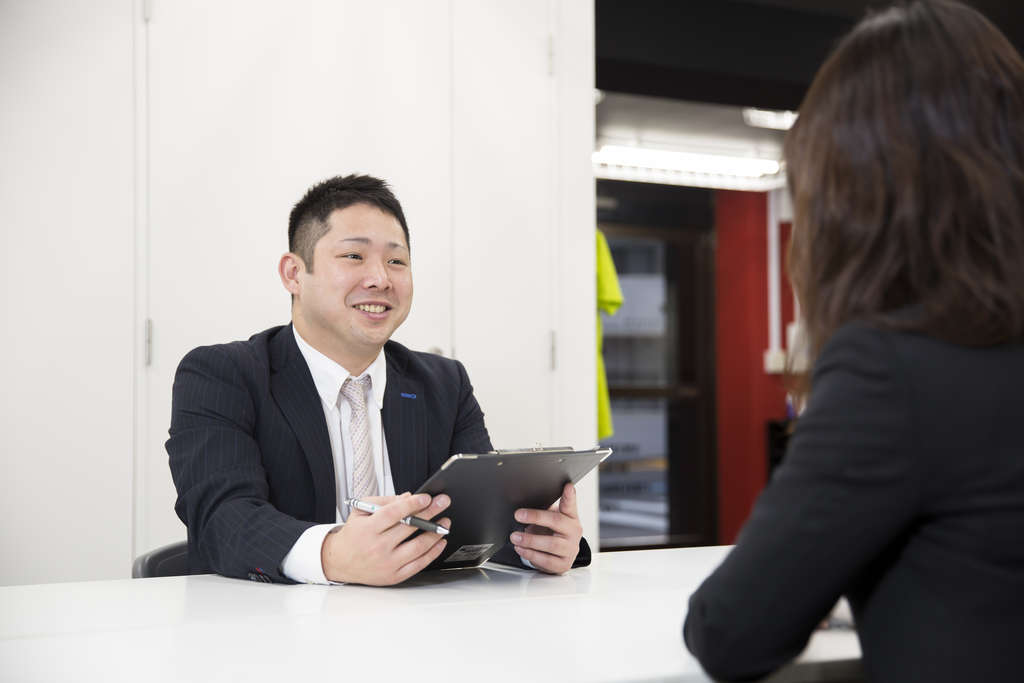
pixel 487 488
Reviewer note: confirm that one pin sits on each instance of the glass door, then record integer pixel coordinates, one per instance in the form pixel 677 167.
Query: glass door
pixel 658 487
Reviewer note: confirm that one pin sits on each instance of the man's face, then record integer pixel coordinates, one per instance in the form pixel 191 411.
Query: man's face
pixel 360 289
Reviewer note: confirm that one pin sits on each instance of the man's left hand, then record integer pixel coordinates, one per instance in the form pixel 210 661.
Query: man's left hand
pixel 552 540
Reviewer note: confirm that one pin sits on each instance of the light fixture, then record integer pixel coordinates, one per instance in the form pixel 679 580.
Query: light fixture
pixel 769 118
pixel 684 162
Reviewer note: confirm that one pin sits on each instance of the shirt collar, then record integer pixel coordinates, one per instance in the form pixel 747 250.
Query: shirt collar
pixel 328 376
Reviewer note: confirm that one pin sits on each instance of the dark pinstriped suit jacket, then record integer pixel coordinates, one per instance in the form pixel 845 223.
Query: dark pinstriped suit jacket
pixel 251 458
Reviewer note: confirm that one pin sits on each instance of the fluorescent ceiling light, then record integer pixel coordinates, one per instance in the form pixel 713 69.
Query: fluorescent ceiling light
pixel 684 162
pixel 714 182
pixel 769 118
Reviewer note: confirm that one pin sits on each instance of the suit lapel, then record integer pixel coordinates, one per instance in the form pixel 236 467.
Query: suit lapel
pixel 405 427
pixel 295 394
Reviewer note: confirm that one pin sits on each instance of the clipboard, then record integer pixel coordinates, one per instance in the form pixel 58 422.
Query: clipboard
pixel 487 488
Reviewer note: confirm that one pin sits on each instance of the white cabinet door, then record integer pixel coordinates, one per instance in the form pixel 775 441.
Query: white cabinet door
pixel 524 221
pixel 249 105
pixel 504 232
pixel 66 206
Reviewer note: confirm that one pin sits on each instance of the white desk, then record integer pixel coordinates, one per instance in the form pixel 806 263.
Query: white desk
pixel 619 619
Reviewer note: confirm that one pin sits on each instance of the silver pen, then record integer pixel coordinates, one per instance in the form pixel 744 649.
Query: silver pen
pixel 410 520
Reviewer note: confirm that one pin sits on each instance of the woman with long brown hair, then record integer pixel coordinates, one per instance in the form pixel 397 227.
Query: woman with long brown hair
pixel 903 485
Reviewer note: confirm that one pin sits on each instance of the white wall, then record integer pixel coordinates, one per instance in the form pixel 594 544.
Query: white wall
pixel 574 399
pixel 524 283
pixel 66 207
pixel 249 105
pixel 192 135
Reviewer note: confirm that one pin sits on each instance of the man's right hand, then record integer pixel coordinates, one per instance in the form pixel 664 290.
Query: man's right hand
pixel 373 550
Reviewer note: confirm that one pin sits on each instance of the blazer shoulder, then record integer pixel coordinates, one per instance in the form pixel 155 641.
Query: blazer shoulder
pixel 422 365
pixel 255 352
pixel 255 347
pixel 859 335
pixel 864 347
pixel 912 355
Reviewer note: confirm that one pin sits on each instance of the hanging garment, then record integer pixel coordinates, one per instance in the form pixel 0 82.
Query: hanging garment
pixel 609 299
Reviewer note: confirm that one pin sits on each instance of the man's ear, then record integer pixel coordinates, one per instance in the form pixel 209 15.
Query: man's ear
pixel 289 268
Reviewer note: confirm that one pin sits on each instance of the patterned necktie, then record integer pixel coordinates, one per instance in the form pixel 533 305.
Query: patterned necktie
pixel 364 478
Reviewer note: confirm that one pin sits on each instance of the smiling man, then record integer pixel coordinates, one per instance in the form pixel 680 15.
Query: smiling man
pixel 270 436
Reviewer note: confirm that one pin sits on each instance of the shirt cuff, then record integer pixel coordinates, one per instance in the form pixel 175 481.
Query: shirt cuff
pixel 302 563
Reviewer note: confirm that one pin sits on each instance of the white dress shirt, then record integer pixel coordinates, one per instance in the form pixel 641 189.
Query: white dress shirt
pixel 302 563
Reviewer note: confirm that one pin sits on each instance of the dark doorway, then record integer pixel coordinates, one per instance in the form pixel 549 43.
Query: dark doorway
pixel 657 489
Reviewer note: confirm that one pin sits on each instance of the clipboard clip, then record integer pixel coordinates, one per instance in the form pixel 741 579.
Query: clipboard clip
pixel 527 451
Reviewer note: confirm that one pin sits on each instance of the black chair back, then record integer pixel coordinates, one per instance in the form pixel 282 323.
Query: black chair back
pixel 170 560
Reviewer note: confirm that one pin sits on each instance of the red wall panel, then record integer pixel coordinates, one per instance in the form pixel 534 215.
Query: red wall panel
pixel 747 397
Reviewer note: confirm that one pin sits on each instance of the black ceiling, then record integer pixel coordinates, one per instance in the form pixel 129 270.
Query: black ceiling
pixel 760 53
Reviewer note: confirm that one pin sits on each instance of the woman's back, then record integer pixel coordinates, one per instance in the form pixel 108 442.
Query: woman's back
pixel 947 601
pixel 903 487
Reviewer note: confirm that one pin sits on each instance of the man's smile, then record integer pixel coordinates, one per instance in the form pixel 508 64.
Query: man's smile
pixel 376 311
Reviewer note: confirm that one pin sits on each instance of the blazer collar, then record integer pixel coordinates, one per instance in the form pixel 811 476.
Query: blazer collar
pixel 404 417
pixel 291 385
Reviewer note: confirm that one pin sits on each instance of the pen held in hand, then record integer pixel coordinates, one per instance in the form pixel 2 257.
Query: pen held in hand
pixel 410 520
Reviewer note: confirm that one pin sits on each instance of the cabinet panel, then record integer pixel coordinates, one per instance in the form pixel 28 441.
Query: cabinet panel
pixel 504 228
pixel 66 205
pixel 523 233
pixel 249 105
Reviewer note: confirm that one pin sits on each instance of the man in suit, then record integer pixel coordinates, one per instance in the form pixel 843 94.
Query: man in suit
pixel 268 437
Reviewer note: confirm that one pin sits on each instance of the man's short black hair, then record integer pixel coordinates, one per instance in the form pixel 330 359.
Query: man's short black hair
pixel 307 222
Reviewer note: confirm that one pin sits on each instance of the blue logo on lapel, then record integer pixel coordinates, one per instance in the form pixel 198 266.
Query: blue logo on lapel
pixel 405 395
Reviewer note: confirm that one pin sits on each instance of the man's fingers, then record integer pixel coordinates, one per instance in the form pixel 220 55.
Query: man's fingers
pixel 390 514
pixel 438 505
pixel 553 545
pixel 399 532
pixel 551 519
pixel 420 563
pixel 551 540
pixel 544 561
pixel 373 547
pixel 409 550
pixel 567 503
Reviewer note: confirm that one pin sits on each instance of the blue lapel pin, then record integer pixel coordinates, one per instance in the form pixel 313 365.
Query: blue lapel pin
pixel 405 395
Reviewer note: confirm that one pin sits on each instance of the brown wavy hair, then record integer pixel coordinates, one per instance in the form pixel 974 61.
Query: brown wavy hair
pixel 906 167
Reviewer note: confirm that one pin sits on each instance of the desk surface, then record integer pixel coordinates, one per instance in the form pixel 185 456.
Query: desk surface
pixel 619 619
